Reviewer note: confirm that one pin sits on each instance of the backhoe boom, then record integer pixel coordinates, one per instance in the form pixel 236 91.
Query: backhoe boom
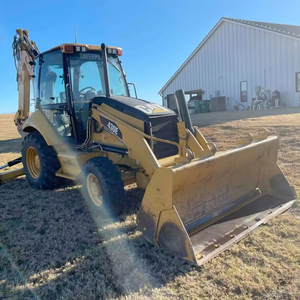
pixel 25 52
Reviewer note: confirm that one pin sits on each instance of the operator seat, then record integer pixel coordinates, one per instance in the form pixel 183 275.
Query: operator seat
pixel 83 107
pixel 49 84
pixel 86 105
pixel 48 78
pixel 56 118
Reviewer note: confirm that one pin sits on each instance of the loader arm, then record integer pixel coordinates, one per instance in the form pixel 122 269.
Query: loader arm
pixel 139 149
pixel 25 52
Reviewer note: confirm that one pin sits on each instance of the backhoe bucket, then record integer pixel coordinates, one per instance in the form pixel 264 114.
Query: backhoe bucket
pixel 196 210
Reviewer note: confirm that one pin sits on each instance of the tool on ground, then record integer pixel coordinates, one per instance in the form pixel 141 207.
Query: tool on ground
pixel 4 176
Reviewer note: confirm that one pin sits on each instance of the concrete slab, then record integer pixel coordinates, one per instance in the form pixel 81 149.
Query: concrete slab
pixel 206 119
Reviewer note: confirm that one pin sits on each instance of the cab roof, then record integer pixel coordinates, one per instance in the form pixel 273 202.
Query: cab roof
pixel 88 47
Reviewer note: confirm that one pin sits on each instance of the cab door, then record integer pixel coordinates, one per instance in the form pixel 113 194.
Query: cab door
pixel 51 92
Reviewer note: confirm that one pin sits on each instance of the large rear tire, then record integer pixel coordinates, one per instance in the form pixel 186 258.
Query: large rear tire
pixel 103 187
pixel 40 162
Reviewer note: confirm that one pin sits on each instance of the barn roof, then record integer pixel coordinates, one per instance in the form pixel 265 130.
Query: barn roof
pixel 292 30
pixel 289 30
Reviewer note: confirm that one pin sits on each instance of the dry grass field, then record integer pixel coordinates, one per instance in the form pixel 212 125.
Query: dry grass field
pixel 50 247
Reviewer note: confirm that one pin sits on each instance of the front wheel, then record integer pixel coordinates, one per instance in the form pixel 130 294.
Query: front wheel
pixel 103 188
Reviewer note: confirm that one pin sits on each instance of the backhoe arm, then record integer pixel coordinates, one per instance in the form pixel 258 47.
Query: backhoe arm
pixel 25 52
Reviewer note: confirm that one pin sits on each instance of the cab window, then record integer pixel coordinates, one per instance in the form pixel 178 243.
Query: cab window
pixel 90 77
pixel 117 81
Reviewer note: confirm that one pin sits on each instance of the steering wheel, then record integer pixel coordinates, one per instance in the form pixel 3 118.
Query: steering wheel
pixel 88 87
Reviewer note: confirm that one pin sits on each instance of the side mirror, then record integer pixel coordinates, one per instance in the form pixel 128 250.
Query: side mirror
pixel 134 88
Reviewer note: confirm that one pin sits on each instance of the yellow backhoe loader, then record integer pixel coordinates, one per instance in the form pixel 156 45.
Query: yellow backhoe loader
pixel 197 200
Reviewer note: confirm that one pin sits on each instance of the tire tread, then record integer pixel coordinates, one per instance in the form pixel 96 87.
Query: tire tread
pixel 110 181
pixel 48 160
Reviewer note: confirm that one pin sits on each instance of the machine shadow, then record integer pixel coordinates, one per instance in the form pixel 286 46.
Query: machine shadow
pixel 11 145
pixel 56 245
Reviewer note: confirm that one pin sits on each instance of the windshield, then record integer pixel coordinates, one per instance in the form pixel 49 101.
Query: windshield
pixel 87 76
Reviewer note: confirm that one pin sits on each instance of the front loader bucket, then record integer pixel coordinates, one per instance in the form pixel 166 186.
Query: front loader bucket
pixel 196 210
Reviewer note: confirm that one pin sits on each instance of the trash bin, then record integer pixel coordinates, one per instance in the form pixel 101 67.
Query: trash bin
pixel 206 106
pixel 197 107
pixel 202 107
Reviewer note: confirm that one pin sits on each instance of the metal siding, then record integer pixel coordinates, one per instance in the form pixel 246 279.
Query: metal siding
pixel 217 65
pixel 298 69
pixel 213 66
pixel 277 63
pixel 272 61
pixel 235 83
pixel 221 61
pixel 256 57
pixel 194 73
pixel 208 67
pixel 295 68
pixel 198 70
pixel 298 52
pixel 267 59
pixel 204 60
pixel 234 64
pixel 248 64
pixel 222 54
pixel 205 78
pixel 289 71
pixel 231 60
pixel 189 75
pixel 240 61
pixel 284 65
pixel 226 57
pixel 216 85
pixel 262 58
pixel 186 77
pixel 218 60
pixel 244 54
pixel 236 52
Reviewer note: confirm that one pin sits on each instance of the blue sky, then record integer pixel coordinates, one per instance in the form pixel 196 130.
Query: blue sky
pixel 156 36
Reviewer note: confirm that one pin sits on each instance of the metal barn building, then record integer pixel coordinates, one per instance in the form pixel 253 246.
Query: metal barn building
pixel 237 56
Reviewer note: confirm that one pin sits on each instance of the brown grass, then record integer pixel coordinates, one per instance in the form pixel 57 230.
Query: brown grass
pixel 51 248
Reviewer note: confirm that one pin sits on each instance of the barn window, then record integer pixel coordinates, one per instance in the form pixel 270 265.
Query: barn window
pixel 243 88
pixel 298 82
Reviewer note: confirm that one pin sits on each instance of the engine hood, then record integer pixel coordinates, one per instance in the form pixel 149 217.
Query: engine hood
pixel 137 108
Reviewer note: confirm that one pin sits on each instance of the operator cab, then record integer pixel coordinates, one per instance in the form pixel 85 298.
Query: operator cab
pixel 69 77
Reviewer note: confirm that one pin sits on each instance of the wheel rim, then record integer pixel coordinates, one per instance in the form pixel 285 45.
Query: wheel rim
pixel 94 189
pixel 33 162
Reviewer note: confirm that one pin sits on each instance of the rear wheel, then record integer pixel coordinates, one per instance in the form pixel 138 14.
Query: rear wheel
pixel 40 162
pixel 103 187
